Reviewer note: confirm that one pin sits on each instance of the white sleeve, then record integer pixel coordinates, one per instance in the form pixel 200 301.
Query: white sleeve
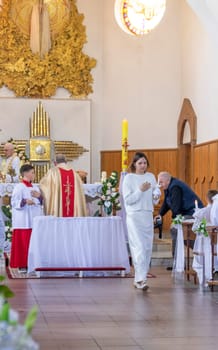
pixel 156 192
pixel 16 167
pixel 130 195
pixel 214 213
pixel 16 198
pixel 201 213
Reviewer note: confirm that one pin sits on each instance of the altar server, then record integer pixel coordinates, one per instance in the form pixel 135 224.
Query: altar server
pixel 26 202
pixel 62 190
pixel 140 191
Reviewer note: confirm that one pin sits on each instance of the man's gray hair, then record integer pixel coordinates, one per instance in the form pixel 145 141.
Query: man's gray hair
pixel 60 158
pixel 165 175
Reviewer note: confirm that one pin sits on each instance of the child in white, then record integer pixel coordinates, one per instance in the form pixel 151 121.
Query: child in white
pixel 26 203
pixel 202 244
pixel 214 210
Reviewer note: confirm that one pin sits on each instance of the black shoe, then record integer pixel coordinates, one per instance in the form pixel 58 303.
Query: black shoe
pixel 169 268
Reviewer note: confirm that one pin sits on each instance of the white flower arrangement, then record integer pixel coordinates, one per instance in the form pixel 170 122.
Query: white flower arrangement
pixel 201 228
pixel 109 198
pixel 178 220
pixel 13 335
pixel 6 209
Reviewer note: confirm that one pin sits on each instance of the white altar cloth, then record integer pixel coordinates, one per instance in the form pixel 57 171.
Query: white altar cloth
pixel 90 190
pixel 77 242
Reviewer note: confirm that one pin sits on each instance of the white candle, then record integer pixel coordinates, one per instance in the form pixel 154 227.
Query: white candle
pixel 196 204
pixel 103 176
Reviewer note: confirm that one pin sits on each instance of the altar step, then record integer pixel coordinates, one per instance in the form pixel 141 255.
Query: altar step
pixel 162 252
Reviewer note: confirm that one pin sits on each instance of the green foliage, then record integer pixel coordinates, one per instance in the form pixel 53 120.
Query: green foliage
pixel 109 198
pixel 5 291
pixel 31 319
pixel 178 220
pixel 202 228
pixel 6 209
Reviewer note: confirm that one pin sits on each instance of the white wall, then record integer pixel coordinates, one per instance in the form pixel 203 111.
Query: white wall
pixel 136 78
pixel 200 69
pixel 145 79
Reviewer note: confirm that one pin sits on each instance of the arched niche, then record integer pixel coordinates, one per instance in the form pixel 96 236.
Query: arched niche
pixel 186 139
pixel 187 115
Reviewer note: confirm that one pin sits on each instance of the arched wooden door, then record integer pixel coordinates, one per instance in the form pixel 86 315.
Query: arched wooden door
pixel 187 121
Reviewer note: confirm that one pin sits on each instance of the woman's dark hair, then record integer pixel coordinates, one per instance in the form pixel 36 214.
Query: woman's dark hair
pixel 136 157
pixel 26 167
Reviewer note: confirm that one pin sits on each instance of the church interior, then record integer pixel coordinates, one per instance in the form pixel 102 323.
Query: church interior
pixel 71 72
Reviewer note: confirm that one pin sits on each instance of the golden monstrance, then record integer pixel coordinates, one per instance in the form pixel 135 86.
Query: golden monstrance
pixel 40 148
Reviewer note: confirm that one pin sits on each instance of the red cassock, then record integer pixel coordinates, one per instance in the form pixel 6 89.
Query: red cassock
pixel 20 247
pixel 22 221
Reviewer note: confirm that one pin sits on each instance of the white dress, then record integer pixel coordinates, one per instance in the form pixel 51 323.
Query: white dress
pixel 139 219
pixel 214 221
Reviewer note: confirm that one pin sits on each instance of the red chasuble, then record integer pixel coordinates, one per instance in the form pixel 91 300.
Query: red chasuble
pixel 68 192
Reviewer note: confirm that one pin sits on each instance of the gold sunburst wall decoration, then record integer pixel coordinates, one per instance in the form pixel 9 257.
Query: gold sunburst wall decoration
pixel 59 14
pixel 64 65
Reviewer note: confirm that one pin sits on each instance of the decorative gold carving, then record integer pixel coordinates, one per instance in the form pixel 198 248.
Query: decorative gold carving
pixel 65 65
pixel 40 146
pixel 59 14
pixel 70 149
pixel 40 123
pixel 40 150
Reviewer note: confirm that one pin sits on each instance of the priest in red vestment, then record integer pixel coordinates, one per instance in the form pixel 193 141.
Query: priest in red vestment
pixel 26 202
pixel 62 191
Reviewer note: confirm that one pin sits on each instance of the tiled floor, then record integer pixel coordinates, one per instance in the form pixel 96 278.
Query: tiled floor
pixel 110 314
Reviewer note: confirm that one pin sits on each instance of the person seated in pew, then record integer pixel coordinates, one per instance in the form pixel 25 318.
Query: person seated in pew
pixel 62 190
pixel 210 213
pixel 26 202
pixel 205 212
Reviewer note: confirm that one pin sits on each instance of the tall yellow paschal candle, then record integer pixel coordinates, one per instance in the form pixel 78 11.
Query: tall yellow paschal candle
pixel 124 145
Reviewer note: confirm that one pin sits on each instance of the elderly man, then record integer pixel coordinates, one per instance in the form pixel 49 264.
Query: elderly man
pixel 62 190
pixel 10 165
pixel 179 198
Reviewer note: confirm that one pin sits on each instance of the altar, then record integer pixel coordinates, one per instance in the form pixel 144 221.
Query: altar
pixel 69 244
pixel 91 191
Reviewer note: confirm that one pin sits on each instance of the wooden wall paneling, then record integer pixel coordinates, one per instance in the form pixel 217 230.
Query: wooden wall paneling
pixel 204 174
pixel 205 168
pixel 213 166
pixel 201 170
pixel 110 161
pixel 197 171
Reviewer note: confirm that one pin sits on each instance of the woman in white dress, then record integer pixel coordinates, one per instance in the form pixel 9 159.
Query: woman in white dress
pixel 140 192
